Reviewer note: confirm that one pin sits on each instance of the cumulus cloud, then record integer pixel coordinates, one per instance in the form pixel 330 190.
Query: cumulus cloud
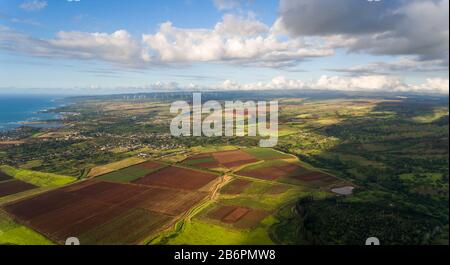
pixel 395 27
pixel 339 83
pixel 404 64
pixel 33 5
pixel 234 39
pixel 117 47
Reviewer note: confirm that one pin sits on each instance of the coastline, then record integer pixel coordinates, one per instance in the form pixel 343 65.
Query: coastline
pixel 30 111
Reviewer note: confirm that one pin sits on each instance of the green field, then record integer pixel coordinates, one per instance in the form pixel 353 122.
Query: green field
pixel 12 233
pixel 39 179
pixel 266 153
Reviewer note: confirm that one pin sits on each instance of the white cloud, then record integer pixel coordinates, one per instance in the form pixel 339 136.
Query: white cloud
pixel 234 39
pixel 33 5
pixel 403 64
pixel 434 84
pixel 118 47
pixel 337 83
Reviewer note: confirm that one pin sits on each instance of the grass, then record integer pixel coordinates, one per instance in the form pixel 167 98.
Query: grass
pixel 203 233
pixel 101 170
pixel 212 148
pixel 198 161
pixel 36 178
pixel 12 233
pixel 266 153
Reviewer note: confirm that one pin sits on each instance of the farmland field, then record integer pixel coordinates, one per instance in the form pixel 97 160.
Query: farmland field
pixel 94 210
pixel 4 176
pixel 335 157
pixel 132 173
pixel 102 170
pixel 13 187
pixel 39 179
pixel 177 177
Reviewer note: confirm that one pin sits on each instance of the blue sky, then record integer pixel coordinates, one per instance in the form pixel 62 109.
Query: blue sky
pixel 115 46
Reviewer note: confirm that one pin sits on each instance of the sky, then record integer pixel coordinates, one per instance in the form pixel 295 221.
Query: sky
pixel 118 46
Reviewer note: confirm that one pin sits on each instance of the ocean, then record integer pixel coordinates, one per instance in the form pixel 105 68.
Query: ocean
pixel 15 109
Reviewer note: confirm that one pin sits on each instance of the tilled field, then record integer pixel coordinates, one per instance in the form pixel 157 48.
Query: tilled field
pixel 177 178
pixel 100 212
pixel 238 216
pixel 13 187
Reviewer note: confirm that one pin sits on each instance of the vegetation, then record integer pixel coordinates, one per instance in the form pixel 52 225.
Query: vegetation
pixel 39 179
pixel 392 148
pixel 12 233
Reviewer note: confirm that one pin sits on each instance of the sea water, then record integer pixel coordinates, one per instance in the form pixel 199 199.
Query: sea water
pixel 15 109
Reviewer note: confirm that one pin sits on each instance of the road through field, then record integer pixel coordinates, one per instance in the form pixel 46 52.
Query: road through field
pixel 186 218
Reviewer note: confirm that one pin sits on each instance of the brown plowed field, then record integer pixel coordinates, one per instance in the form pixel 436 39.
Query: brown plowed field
pixel 90 223
pixel 221 213
pixel 235 215
pixel 240 217
pixel 4 176
pixel 129 228
pixel 94 206
pixel 177 178
pixel 167 201
pixel 109 192
pixel 41 204
pixel 13 187
pixel 54 221
pixel 234 158
pixel 237 186
pixel 314 176
pixel 251 219
pixel 267 173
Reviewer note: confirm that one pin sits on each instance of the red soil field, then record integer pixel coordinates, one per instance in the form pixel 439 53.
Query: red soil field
pixel 221 212
pixel 109 192
pixel 234 158
pixel 177 178
pixel 167 201
pixel 95 206
pixel 13 187
pixel 313 176
pixel 213 164
pixel 54 221
pixel 4 176
pixel 90 223
pixel 240 217
pixel 267 173
pixel 41 204
pixel 236 187
pixel 129 228
pixel 235 215
pixel 251 219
